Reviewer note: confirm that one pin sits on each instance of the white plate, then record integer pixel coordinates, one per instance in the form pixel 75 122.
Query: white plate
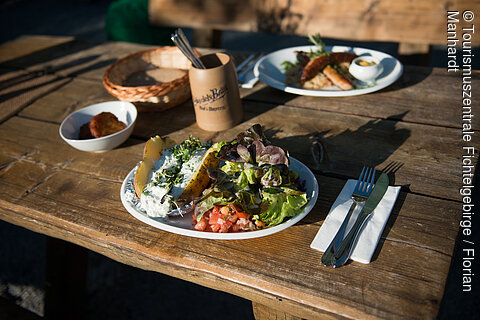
pixel 270 71
pixel 183 225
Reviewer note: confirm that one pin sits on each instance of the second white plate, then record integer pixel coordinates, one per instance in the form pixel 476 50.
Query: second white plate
pixel 269 70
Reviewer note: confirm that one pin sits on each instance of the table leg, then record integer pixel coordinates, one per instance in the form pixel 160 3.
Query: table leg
pixel 65 279
pixel 262 312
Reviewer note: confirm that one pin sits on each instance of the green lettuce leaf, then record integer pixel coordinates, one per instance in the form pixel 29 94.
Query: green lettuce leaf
pixel 282 203
pixel 231 168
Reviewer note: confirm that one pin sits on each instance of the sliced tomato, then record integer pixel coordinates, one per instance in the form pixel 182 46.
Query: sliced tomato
pixel 214 216
pixel 225 227
pixel 225 210
pixel 243 215
pixel 201 225
pixel 232 217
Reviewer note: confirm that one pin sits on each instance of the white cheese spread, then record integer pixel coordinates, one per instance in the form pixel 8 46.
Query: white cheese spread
pixel 167 180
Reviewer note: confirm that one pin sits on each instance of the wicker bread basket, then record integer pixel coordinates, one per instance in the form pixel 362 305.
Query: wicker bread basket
pixel 150 94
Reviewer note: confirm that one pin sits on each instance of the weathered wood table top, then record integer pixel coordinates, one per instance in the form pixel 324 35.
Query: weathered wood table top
pixel 53 189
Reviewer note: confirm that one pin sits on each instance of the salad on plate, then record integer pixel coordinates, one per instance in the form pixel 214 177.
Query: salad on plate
pixel 252 189
pixel 245 184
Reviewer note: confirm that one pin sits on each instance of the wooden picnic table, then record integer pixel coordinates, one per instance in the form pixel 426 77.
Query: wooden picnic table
pixel 53 189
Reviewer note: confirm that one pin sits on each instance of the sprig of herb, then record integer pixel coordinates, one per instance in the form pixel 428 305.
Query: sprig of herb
pixel 287 64
pixel 186 149
pixel 316 39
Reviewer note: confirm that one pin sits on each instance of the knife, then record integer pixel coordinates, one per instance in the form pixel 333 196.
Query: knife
pixel 346 246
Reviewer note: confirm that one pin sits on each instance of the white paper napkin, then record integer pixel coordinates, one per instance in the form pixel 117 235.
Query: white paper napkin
pixel 250 80
pixel 370 235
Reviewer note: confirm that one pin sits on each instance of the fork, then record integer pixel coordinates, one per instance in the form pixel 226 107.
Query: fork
pixel 362 190
pixel 244 69
pixel 244 63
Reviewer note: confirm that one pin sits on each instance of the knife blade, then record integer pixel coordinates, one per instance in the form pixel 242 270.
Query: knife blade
pixel 346 246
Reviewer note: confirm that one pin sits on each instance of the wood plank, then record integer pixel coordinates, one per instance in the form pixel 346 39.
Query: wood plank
pixel 64 56
pixel 53 189
pixel 381 20
pixel 415 97
pixel 350 142
pixel 50 188
pixel 90 62
pixel 262 312
pixel 42 162
pixel 18 89
pixel 77 94
pixel 31 48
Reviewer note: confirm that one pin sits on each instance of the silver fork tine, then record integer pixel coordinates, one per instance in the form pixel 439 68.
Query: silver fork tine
pixel 367 180
pixel 359 184
pixel 372 181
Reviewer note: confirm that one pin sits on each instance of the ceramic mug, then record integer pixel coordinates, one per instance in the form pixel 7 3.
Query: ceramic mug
pixel 215 93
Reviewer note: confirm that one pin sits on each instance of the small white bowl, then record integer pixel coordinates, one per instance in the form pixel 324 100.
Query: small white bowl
pixel 366 73
pixel 70 127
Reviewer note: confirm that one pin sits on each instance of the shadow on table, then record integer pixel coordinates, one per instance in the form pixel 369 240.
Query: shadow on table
pixel 343 155
pixel 44 55
pixel 271 96
pixel 29 82
pixel 391 221
pixel 21 82
pixel 409 78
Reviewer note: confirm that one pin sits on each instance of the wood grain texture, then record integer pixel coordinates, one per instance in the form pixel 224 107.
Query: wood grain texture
pixel 53 189
pixel 18 89
pixel 27 50
pixel 422 22
pixel 349 141
pixel 263 312
pixel 75 196
pixel 415 97
pixel 244 268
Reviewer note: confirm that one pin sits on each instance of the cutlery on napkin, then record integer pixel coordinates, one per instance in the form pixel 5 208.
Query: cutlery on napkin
pixel 249 80
pixel 370 235
pixel 246 76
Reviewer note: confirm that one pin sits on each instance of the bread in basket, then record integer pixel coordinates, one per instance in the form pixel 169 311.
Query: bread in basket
pixel 154 79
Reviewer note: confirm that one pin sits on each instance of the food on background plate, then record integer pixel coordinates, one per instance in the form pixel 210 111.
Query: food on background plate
pixel 170 176
pixel 365 63
pixel 252 189
pixel 102 124
pixel 319 69
pixel 241 185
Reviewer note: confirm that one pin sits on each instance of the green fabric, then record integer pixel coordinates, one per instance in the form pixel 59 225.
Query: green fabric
pixel 127 20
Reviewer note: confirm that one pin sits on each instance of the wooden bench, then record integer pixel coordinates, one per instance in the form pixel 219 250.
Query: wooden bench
pixel 416 25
